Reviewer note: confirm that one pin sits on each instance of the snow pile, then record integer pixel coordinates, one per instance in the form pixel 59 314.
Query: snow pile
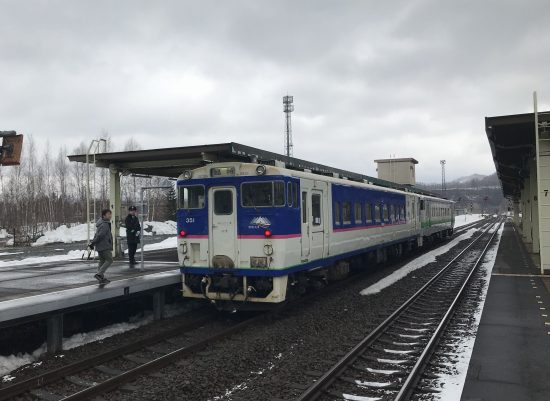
pixel 159 228
pixel 12 362
pixel 4 233
pixel 65 234
pixel 78 233
pixel 464 219
pixel 415 264
pixel 452 383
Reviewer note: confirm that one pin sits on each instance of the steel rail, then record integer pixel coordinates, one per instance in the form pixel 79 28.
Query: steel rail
pixel 155 364
pixel 59 373
pixel 416 373
pixel 317 388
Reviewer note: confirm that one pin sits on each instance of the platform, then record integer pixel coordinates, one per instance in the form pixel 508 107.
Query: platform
pixel 44 288
pixel 511 355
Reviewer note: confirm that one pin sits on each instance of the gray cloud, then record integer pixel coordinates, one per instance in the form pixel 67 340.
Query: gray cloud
pixel 370 78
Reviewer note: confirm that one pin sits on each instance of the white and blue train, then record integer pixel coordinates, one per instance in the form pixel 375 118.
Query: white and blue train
pixel 260 233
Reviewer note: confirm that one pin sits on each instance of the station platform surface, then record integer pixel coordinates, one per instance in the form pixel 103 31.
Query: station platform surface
pixel 39 288
pixel 511 355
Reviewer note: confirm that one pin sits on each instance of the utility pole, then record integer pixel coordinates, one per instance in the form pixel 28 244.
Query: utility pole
pixel 288 108
pixel 443 183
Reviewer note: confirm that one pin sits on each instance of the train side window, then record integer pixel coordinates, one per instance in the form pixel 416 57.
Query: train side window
pixel 421 204
pixel 279 193
pixel 316 209
pixel 386 213
pixel 357 215
pixel 337 213
pixel 346 212
pixel 377 213
pixel 368 213
pixel 304 207
pixel 289 196
pixel 295 194
pixel 392 212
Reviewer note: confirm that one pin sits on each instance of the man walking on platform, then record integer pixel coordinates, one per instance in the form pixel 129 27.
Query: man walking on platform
pixel 133 231
pixel 103 242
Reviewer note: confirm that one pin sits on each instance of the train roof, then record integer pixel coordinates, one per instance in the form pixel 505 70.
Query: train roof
pixel 170 162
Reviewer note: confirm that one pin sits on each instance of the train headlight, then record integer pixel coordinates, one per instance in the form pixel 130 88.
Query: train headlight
pixel 267 233
pixel 183 233
pixel 261 169
pixel 187 174
pixel 268 249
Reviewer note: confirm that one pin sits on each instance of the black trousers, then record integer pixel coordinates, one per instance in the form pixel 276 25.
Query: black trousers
pixel 132 248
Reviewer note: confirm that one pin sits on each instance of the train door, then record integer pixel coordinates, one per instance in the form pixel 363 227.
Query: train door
pixel 422 211
pixel 223 226
pixel 305 220
pixel 317 222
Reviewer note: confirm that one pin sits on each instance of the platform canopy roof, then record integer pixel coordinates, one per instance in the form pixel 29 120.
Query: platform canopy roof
pixel 172 162
pixel 512 141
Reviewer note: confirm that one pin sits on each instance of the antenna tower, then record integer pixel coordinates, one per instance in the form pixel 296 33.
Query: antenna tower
pixel 443 183
pixel 288 108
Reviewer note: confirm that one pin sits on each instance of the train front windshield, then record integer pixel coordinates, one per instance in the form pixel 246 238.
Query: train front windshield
pixel 191 197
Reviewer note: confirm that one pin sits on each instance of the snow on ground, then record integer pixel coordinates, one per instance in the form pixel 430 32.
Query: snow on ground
pixel 415 264
pixel 10 253
pixel 452 383
pixel 72 255
pixel 4 233
pixel 12 362
pixel 464 219
pixel 77 254
pixel 77 233
pixel 168 243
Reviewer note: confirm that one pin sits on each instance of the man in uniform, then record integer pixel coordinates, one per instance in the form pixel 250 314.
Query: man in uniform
pixel 133 231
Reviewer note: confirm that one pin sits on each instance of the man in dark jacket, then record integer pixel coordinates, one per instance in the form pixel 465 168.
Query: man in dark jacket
pixel 133 231
pixel 103 243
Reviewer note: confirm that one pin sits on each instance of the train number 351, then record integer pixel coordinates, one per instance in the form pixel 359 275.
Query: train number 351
pixel 189 219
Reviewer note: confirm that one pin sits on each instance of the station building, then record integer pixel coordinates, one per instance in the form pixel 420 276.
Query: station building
pixel 520 145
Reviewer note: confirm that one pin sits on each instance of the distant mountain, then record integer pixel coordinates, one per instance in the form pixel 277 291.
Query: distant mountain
pixel 469 178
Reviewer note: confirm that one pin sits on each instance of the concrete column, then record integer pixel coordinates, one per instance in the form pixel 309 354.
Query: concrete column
pixel 544 202
pixel 534 206
pixel 527 226
pixel 114 198
pixel 516 213
pixel 158 304
pixel 54 335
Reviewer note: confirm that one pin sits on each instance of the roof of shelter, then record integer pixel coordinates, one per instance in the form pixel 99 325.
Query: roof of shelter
pixel 171 162
pixel 512 141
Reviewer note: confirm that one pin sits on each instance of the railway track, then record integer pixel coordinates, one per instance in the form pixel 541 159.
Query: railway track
pixel 388 364
pixel 35 386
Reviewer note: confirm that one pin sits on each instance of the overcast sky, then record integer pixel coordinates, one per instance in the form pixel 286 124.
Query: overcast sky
pixel 408 78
